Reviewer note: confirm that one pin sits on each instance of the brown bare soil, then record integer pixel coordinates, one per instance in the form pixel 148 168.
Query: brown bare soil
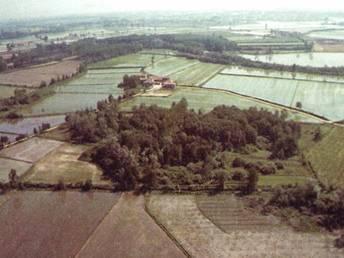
pixel 128 231
pixel 63 164
pixel 229 214
pixel 32 77
pixel 50 224
pixel 202 238
pixel 31 150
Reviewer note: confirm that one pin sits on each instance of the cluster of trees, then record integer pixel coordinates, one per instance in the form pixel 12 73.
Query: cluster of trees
pixel 327 205
pixel 20 98
pixel 151 138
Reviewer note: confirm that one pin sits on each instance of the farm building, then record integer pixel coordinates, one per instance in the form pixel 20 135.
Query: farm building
pixel 152 81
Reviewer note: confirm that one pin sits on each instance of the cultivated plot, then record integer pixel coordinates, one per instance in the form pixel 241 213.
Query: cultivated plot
pixel 196 74
pixel 6 91
pixel 50 224
pixel 202 238
pixel 6 165
pixel 321 98
pixel 274 90
pixel 327 157
pixel 61 103
pixel 31 150
pixel 246 71
pixel 34 76
pixel 128 61
pixel 326 99
pixel 206 99
pixel 171 65
pixel 303 59
pixel 27 125
pixel 128 231
pixel 63 164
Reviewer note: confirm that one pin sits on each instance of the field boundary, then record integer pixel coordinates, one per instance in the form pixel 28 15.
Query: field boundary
pixel 279 78
pixel 319 117
pixel 170 235
pixel 203 82
pixel 97 226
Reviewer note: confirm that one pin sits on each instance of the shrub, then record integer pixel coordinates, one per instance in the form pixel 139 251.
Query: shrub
pixel 279 165
pixel 339 242
pixel 238 162
pixel 252 182
pixel 43 84
pixel 238 175
pixel 267 170
pixel 60 186
pixel 13 115
pixel 87 186
pixel 21 137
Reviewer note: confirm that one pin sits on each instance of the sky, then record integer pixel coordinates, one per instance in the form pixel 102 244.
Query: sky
pixel 14 9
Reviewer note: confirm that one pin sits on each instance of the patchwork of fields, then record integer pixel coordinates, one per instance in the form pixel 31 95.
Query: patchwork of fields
pixel 82 93
pixel 321 98
pixel 206 99
pixel 303 59
pixel 243 234
pixel 63 164
pixel 34 76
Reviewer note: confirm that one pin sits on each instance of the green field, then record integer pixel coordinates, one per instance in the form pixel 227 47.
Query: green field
pixel 128 60
pixel 247 71
pixel 206 100
pixel 6 91
pixel 64 103
pixel 327 156
pixel 327 34
pixel 170 65
pixel 196 74
pixel 303 59
pixel 321 98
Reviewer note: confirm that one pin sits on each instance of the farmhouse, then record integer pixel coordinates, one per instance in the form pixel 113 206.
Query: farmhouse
pixel 154 82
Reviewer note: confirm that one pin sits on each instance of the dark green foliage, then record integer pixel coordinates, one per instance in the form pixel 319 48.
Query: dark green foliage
pixel 60 186
pixel 238 176
pixel 13 115
pixel 238 162
pixel 87 185
pixel 317 135
pixel 279 165
pixel 150 138
pixel 339 242
pixel 13 178
pixel 327 205
pixel 252 181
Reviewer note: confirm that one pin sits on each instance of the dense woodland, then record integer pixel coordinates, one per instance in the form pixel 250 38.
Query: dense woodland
pixel 139 148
